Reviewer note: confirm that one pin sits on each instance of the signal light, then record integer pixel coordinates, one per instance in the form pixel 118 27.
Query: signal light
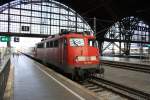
pixel 16 39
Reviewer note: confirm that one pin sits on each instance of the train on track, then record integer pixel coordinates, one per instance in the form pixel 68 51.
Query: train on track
pixel 74 53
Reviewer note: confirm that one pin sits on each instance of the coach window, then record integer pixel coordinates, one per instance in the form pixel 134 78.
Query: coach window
pixel 56 43
pixel 38 45
pixel 65 42
pixel 42 45
pixel 51 44
pixel 47 44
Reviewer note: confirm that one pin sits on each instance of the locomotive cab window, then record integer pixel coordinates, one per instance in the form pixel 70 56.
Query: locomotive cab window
pixel 76 42
pixel 92 42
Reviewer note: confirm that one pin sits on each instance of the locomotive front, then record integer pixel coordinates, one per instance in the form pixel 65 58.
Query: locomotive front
pixel 83 55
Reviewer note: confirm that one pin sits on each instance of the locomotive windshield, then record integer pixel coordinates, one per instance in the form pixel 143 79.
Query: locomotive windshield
pixel 76 42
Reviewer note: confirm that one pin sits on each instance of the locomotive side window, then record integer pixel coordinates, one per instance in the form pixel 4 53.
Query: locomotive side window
pixel 92 42
pixel 76 42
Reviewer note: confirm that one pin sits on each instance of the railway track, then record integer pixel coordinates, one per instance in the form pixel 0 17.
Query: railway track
pixel 129 66
pixel 100 84
pixel 101 92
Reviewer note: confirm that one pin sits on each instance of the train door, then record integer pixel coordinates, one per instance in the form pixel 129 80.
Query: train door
pixel 44 53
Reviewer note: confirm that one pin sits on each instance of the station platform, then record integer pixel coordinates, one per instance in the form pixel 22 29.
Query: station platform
pixel 34 81
pixel 126 60
pixel 134 79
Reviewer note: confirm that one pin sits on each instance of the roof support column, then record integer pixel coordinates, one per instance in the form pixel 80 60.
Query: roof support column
pixel 8 43
pixel 94 25
pixel 76 26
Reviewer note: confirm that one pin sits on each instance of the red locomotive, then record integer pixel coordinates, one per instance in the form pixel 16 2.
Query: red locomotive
pixel 74 53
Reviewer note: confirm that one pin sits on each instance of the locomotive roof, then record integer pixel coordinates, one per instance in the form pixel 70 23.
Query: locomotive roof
pixel 78 35
pixel 74 34
pixel 69 35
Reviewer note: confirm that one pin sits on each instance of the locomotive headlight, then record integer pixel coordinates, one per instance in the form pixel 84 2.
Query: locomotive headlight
pixel 93 58
pixel 81 58
pixel 86 58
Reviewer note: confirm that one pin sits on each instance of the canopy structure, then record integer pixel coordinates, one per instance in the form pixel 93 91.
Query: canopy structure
pixel 108 12
pixel 39 18
pixel 118 22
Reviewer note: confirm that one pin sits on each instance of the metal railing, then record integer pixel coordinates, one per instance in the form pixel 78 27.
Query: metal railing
pixel 4 53
pixel 4 70
pixel 2 50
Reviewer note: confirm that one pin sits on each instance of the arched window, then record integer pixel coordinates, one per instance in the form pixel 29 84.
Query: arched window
pixel 40 17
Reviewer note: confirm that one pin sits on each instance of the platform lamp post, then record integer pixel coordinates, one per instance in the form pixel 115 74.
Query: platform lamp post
pixel 8 38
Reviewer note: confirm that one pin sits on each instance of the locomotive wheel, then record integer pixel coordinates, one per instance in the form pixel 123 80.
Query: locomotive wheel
pixel 77 76
pixel 101 70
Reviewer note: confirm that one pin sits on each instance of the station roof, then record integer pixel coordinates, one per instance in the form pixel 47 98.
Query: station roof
pixel 107 12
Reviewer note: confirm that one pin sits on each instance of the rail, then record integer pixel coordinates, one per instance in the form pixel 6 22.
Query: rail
pixel 130 66
pixel 126 91
pixel 4 70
